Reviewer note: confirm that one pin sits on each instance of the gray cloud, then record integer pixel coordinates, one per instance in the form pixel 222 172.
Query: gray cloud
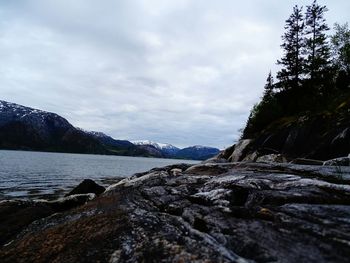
pixel 184 72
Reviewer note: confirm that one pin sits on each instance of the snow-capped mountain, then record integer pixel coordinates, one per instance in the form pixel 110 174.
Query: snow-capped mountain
pixel 32 129
pixel 197 152
pixel 158 145
pixel 108 140
pixel 166 149
pixel 41 121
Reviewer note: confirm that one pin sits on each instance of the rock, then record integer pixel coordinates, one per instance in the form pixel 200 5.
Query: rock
pixel 272 158
pixel 239 150
pixel 225 154
pixel 71 201
pixel 251 157
pixel 306 161
pixel 321 136
pixel 342 161
pixel 87 186
pixel 175 171
pixel 234 212
pixel 216 159
pixel 206 169
pixel 16 214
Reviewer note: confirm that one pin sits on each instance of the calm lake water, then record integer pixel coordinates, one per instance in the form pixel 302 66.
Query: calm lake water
pixel 39 174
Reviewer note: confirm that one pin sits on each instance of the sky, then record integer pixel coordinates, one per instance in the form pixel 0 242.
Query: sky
pixel 185 72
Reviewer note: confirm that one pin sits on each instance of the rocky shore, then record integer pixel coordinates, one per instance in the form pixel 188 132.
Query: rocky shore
pixel 211 212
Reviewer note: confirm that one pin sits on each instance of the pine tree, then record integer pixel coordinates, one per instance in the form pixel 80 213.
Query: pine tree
pixel 341 47
pixel 341 55
pixel 269 88
pixel 317 50
pixel 292 61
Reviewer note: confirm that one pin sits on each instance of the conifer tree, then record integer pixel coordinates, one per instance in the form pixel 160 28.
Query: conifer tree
pixel 341 47
pixel 316 49
pixel 269 88
pixel 292 61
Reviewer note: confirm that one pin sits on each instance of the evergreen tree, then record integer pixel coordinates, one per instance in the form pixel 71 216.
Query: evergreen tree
pixel 292 61
pixel 341 47
pixel 269 88
pixel 341 55
pixel 317 50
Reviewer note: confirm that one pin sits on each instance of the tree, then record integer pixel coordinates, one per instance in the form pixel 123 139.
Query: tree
pixel 292 61
pixel 316 48
pixel 269 88
pixel 341 47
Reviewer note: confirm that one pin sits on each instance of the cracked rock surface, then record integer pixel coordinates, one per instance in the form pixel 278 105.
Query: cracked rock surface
pixel 212 212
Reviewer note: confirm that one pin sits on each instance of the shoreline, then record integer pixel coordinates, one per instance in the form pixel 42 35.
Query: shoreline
pixel 225 212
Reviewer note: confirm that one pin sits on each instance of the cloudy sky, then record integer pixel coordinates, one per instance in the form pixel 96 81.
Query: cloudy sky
pixel 180 71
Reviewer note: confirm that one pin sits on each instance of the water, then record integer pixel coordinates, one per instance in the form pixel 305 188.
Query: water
pixel 48 175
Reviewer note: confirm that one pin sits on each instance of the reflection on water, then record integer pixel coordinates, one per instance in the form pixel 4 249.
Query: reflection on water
pixel 39 174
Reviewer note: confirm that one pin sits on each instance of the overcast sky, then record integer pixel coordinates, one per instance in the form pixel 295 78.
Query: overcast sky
pixel 184 72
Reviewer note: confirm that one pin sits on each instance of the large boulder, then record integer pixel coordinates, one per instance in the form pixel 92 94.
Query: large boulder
pixel 272 158
pixel 319 136
pixel 342 161
pixel 234 212
pixel 87 186
pixel 239 150
pixel 16 214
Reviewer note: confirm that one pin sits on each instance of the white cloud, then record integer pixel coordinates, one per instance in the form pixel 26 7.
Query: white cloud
pixel 185 72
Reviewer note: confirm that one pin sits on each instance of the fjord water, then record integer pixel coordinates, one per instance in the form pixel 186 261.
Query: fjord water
pixel 40 174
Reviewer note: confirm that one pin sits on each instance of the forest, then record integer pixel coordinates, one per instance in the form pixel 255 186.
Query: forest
pixel 314 72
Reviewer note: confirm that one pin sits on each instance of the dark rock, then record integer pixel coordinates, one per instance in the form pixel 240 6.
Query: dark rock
pixel 16 214
pixel 225 154
pixel 240 150
pixel 71 201
pixel 87 186
pixel 237 212
pixel 272 158
pixel 342 161
pixel 320 137
pixel 306 161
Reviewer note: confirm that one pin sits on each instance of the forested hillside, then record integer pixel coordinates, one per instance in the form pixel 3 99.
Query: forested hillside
pixel 311 92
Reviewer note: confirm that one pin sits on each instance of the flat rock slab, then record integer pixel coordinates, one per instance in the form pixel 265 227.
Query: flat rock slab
pixel 233 213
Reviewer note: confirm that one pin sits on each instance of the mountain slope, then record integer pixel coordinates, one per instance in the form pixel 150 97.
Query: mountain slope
pixel 25 128
pixel 197 152
pixel 165 149
pixel 119 147
pixel 31 129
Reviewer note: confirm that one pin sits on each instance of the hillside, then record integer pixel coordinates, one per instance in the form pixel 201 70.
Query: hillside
pixel 305 113
pixel 25 128
pixel 197 152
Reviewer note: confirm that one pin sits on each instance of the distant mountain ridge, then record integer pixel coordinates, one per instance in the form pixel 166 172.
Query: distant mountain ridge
pixel 25 128
pixel 197 152
pixel 166 149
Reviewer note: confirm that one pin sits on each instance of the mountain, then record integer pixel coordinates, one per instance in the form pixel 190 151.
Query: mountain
pixel 108 140
pixel 31 129
pixel 166 149
pixel 119 147
pixel 25 128
pixel 197 152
